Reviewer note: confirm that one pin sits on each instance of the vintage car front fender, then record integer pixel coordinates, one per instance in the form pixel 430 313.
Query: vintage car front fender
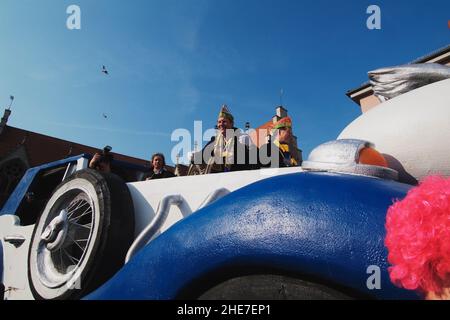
pixel 320 225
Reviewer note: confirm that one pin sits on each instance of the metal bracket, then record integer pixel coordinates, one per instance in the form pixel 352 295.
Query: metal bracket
pixel 16 240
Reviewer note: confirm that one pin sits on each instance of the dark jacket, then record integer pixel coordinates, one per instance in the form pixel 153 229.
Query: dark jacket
pixel 152 176
pixel 229 167
pixel 265 153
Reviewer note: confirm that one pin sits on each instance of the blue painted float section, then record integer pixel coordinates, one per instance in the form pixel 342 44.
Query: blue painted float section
pixel 329 226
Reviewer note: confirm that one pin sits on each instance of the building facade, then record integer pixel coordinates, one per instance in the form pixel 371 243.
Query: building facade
pixel 261 134
pixel 22 149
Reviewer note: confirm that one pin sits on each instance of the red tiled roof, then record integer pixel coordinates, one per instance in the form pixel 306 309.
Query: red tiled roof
pixel 43 149
pixel 259 136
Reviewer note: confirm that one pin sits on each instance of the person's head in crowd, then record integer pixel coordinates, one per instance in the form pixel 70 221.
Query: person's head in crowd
pixel 282 130
pixel 225 120
pixel 158 162
pixel 101 162
pixel 158 170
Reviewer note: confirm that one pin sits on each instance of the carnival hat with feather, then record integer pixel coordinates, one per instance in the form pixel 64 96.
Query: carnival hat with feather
pixel 225 113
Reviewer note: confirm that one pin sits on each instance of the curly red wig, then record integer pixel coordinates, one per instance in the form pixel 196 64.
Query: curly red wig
pixel 418 237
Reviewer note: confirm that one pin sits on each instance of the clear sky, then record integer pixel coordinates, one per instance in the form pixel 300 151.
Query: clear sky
pixel 172 62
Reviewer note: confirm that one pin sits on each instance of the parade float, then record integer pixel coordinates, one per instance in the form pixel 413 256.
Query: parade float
pixel 310 232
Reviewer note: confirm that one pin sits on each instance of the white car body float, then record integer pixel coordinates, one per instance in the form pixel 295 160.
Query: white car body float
pixel 412 130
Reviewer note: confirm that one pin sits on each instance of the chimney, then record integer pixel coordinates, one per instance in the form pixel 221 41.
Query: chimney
pixel 281 112
pixel 4 120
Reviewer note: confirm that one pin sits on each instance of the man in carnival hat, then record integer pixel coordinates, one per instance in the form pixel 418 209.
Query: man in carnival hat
pixel 229 149
pixel 277 149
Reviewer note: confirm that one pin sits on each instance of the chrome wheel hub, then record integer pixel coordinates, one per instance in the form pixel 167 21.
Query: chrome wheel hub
pixel 55 233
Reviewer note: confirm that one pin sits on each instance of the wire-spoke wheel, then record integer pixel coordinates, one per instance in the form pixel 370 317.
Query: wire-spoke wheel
pixel 81 237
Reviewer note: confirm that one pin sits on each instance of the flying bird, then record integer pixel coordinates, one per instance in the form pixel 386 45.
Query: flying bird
pixel 104 70
pixel 105 116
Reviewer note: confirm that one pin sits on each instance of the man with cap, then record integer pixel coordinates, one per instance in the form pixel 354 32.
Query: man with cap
pixel 229 149
pixel 276 153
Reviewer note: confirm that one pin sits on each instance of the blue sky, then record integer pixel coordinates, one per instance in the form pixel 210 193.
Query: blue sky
pixel 172 62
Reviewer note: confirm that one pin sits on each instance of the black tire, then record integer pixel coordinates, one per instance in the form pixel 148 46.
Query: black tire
pixel 271 287
pixel 108 225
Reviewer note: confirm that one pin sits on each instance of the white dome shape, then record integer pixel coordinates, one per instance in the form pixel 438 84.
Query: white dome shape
pixel 412 131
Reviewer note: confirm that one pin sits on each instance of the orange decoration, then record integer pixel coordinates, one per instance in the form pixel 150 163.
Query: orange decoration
pixel 372 157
